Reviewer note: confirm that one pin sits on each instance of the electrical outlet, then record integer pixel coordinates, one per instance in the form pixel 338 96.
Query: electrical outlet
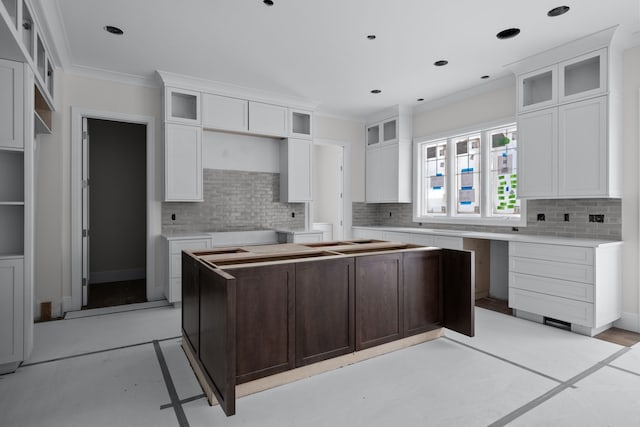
pixel 596 218
pixel 566 217
pixel 173 217
pixel 515 229
pixel 293 214
pixel 389 214
pixel 541 217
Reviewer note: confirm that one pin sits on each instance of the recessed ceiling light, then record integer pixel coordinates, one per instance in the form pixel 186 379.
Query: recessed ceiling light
pixel 376 91
pixel 441 63
pixel 557 11
pixel 508 33
pixel 371 36
pixel 420 99
pixel 484 77
pixel 113 30
pixel 268 2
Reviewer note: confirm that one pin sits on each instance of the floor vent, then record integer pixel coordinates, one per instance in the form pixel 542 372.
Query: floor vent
pixel 557 323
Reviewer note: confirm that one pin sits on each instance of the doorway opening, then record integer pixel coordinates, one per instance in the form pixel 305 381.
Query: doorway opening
pixel 114 213
pixel 329 197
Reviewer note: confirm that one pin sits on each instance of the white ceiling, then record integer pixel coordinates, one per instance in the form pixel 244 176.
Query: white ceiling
pixel 317 49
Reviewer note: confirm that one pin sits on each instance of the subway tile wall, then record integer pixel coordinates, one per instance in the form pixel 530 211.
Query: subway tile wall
pixel 234 201
pixel 401 214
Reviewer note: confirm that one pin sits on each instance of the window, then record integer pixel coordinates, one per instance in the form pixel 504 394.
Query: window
pixel 469 177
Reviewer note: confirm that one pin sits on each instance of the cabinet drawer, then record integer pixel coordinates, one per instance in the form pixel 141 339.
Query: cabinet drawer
pixel 559 253
pixel 423 239
pixel 555 270
pixel 395 236
pixel 564 309
pixel 179 246
pixel 545 285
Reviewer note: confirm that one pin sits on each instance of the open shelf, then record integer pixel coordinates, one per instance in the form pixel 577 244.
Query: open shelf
pixel 42 113
pixel 11 230
pixel 11 176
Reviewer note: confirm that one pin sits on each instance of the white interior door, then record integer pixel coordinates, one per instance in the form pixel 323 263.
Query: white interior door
pixel 85 212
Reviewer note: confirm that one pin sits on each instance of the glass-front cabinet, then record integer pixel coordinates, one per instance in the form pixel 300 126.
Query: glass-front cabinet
pixel 182 106
pixel 580 77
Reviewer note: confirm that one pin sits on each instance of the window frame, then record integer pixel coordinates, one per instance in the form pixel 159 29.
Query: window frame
pixel 486 216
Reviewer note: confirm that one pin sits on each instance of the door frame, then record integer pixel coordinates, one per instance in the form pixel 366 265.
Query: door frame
pixel 154 206
pixel 346 184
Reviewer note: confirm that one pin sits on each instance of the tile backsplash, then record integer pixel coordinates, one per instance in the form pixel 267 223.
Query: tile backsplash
pixel 401 214
pixel 234 201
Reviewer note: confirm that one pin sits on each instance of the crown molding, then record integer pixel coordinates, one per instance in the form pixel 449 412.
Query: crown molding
pixel 235 91
pixel 113 76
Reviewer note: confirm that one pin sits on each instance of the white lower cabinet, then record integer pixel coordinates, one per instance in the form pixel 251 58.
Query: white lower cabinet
pixel 174 248
pixel 183 163
pixel 11 313
pixel 579 285
pixel 363 233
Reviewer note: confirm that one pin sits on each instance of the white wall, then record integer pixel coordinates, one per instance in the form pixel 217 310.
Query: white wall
pixel 326 184
pixel 53 175
pixel 486 107
pixel 630 190
pixel 349 131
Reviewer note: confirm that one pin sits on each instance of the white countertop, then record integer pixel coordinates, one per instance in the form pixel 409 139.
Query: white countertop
pixel 511 237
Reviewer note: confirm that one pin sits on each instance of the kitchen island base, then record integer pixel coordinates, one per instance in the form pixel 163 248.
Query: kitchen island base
pixel 263 313
pixel 296 374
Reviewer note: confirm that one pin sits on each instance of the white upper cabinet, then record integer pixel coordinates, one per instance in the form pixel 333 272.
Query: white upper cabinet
pixel 182 106
pixel 538 89
pixel 582 143
pixel 267 119
pixel 582 77
pixel 11 104
pixel 537 154
pixel 183 163
pixel 296 170
pixel 383 132
pixel 570 141
pixel 300 123
pixel 225 113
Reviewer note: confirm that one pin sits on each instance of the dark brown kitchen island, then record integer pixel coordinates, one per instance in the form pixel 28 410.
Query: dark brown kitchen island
pixel 288 311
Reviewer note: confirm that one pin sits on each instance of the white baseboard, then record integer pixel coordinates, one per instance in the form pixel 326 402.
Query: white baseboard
pixel 117 275
pixel 629 322
pixel 67 305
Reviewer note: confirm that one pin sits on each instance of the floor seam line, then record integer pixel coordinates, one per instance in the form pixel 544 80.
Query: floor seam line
pixel 90 353
pixel 557 390
pixel 185 400
pixel 116 312
pixel 533 371
pixel 171 389
pixel 624 370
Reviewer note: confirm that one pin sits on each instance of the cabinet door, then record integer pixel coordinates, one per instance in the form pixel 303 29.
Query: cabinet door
pixel 265 325
pixel 11 104
pixel 11 310
pixel 182 106
pixel 373 134
pixel 267 119
pixel 296 181
pixel 583 77
pixel 190 290
pixel 422 291
pixel 382 174
pixel 300 123
pixel 583 148
pixel 390 130
pixel 183 163
pixel 324 310
pixel 538 89
pixel 537 154
pixel 222 112
pixel 379 300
